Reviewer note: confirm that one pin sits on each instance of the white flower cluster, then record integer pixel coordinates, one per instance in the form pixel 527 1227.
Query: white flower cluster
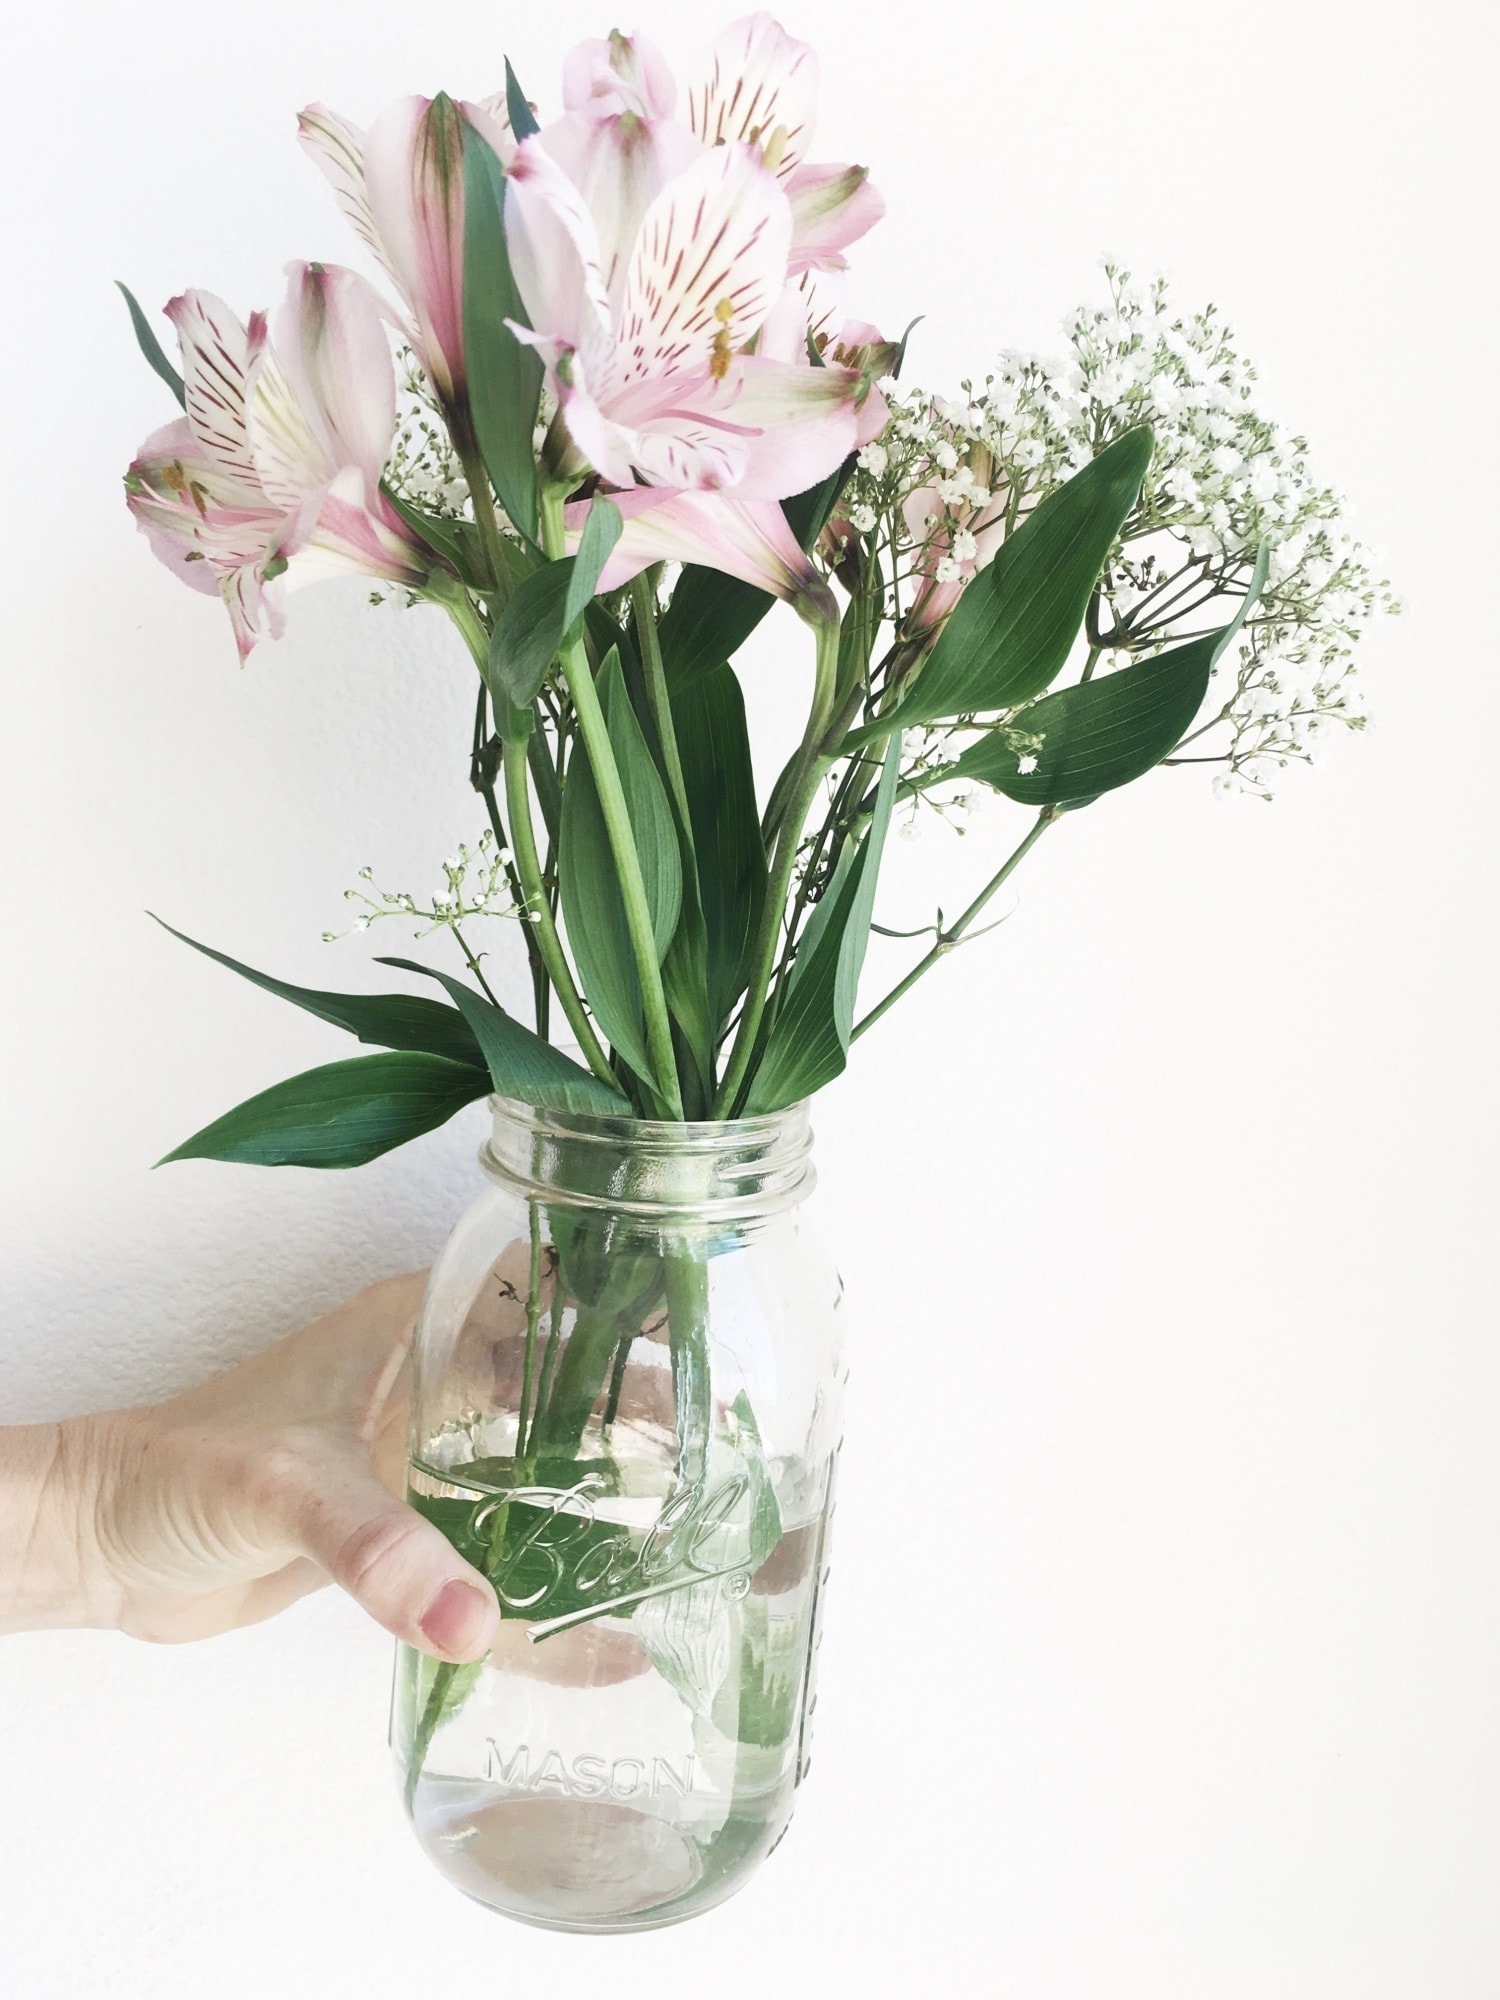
pixel 475 884
pixel 1223 479
pixel 423 468
pixel 928 496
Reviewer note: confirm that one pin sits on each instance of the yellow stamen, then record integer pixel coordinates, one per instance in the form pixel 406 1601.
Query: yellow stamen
pixel 718 366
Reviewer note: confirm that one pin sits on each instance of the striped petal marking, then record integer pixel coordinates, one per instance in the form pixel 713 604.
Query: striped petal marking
pixel 707 267
pixel 760 87
pixel 218 353
pixel 339 149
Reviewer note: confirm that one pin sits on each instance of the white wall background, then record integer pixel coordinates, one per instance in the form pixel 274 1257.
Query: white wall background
pixel 1179 1188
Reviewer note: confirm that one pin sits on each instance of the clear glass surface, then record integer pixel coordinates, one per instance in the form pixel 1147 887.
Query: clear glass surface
pixel 625 1410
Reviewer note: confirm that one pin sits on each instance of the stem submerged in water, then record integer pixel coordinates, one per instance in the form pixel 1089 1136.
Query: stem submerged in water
pixel 686 1274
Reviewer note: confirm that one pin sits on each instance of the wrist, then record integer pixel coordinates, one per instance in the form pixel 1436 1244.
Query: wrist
pixel 55 1486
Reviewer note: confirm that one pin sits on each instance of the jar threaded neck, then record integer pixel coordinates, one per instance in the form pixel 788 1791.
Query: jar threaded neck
pixel 736 1166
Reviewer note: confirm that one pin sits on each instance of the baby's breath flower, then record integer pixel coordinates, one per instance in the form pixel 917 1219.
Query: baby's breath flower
pixel 475 884
pixel 949 479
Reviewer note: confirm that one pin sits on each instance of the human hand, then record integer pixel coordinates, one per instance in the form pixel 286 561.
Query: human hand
pixel 225 1504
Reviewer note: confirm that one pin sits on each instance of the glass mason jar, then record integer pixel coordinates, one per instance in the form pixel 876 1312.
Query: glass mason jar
pixel 626 1411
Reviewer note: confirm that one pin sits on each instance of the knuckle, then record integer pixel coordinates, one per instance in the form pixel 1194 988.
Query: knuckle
pixel 373 1546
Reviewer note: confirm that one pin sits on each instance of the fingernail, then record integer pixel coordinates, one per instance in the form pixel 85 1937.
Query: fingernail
pixel 457 1619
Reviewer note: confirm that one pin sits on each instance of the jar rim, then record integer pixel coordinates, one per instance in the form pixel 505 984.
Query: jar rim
pixel 694 1133
pixel 652 1166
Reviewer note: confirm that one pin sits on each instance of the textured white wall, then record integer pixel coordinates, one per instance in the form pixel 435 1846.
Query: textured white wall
pixel 1175 1676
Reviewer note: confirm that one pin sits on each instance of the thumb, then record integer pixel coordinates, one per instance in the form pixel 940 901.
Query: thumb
pixel 393 1563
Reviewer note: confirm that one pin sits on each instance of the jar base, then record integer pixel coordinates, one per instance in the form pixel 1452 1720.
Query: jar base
pixel 590 1865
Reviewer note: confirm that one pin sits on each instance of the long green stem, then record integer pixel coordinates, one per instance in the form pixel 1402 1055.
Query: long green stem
pixel 473 965
pixel 594 732
pixel 686 1272
pixel 954 932
pixel 543 942
pixel 797 786
pixel 533 1320
pixel 460 608
pixel 486 520
pixel 539 912
pixel 549 1356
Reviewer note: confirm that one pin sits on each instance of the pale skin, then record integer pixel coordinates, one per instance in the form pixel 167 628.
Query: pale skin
pixel 223 1505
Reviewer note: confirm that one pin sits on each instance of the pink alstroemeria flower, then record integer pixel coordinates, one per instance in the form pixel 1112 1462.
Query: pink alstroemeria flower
pixel 651 374
pixel 759 85
pixel 401 185
pixel 272 478
pixel 668 270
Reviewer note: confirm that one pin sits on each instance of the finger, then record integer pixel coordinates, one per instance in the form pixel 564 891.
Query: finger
pixel 397 1566
pixel 337 1369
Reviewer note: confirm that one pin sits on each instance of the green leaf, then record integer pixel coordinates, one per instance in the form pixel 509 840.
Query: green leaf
pixel 522 121
pixel 443 536
pixel 529 632
pixel 646 801
pixel 504 375
pixel 809 1043
pixel 712 615
pixel 1101 734
pixel 340 1115
pixel 708 714
pixel 151 347
pixel 521 1064
pixel 684 980
pixel 588 881
pixel 601 531
pixel 807 513
pixel 1013 628
pixel 389 1020
pixel 548 610
pixel 591 908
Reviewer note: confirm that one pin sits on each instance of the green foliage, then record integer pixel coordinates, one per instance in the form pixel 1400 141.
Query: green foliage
pixel 547 611
pixel 389 1020
pixel 521 1064
pixel 1104 733
pixel 504 375
pixel 151 347
pixel 341 1115
pixel 708 714
pixel 522 119
pixel 809 1040
pixel 588 882
pixel 1012 629
pixel 452 540
pixel 527 635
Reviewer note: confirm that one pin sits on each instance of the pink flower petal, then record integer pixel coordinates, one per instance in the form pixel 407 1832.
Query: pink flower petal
pixel 624 75
pixel 338 147
pixel 413 165
pixel 618 166
pixel 746 539
pixel 832 207
pixel 757 80
pixel 335 361
pixel 554 258
pixel 217 358
pixel 708 266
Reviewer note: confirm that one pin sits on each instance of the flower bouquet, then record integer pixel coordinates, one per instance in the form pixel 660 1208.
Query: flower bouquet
pixel 607 408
